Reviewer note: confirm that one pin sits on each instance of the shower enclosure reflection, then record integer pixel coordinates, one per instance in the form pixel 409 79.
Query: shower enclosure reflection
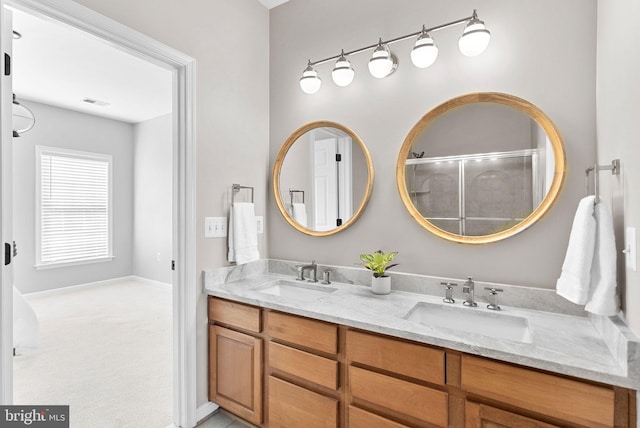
pixel 480 166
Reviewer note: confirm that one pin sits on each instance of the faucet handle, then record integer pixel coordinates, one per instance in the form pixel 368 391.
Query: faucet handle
pixel 493 295
pixel 449 291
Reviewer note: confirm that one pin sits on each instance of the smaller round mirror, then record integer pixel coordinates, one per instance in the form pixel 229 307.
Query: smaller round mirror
pixel 481 167
pixel 322 178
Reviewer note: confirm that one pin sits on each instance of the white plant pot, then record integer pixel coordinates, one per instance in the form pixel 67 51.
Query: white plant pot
pixel 381 285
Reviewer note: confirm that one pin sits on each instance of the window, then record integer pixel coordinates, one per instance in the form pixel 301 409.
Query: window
pixel 73 219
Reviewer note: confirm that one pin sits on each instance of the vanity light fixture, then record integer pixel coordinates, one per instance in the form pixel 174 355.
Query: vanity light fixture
pixel 425 51
pixel 382 62
pixel 475 37
pixel 342 73
pixel 474 40
pixel 310 82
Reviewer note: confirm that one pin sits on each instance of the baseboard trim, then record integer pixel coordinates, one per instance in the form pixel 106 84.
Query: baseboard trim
pixel 151 281
pixel 69 288
pixel 206 410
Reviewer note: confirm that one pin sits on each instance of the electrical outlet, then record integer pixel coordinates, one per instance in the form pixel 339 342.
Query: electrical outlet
pixel 260 224
pixel 215 227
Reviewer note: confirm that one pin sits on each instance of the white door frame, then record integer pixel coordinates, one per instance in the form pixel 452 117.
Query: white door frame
pixel 184 279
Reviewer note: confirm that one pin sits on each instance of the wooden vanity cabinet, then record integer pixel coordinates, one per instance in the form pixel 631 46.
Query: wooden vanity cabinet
pixel 516 396
pixel 303 369
pixel 235 359
pixel 400 382
pixel 279 370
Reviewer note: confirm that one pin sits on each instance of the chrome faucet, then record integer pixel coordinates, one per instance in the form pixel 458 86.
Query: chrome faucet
pixel 312 268
pixel 493 298
pixel 448 287
pixel 468 288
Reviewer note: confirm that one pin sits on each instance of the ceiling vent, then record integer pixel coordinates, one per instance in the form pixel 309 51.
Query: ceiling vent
pixel 96 102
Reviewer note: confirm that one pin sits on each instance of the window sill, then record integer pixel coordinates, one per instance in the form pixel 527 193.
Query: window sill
pixel 72 263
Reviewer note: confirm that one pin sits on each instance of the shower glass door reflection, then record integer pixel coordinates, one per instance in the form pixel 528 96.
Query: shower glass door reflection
pixel 475 195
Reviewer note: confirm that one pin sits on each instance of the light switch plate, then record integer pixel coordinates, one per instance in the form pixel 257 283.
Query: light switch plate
pixel 215 227
pixel 630 251
pixel 260 224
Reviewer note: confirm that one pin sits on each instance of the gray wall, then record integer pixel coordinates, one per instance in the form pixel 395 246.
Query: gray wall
pixel 618 112
pixel 553 68
pixel 229 39
pixel 152 204
pixel 57 127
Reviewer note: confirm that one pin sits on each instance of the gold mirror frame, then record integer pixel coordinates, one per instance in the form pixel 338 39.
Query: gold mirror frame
pixel 277 167
pixel 485 97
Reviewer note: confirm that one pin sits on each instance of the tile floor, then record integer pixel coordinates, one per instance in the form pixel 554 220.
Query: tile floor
pixel 222 419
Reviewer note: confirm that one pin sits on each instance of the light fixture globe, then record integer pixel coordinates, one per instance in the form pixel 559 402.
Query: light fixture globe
pixel 425 51
pixel 310 82
pixel 382 62
pixel 475 37
pixel 342 73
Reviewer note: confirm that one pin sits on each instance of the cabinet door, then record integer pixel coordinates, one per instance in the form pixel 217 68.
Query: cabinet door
pixel 483 416
pixel 235 372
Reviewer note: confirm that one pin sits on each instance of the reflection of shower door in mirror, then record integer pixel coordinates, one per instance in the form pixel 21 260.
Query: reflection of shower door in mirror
pixel 475 195
pixel 332 190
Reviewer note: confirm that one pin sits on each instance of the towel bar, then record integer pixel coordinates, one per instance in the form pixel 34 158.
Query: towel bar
pixel 236 188
pixel 292 191
pixel 614 168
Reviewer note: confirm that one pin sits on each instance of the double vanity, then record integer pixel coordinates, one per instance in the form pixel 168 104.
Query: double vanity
pixel 290 353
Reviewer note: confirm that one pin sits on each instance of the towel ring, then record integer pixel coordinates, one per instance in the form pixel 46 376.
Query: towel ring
pixel 236 188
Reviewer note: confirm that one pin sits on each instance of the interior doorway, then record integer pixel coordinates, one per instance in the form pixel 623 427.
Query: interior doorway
pixel 183 248
pixel 102 238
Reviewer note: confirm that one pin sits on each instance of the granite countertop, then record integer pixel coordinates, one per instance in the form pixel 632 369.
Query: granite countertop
pixel 564 344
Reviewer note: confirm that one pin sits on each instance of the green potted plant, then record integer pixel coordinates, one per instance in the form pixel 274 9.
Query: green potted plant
pixel 379 262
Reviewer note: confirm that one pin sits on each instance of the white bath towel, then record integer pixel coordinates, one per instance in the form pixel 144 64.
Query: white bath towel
pixel 575 279
pixel 299 213
pixel 603 297
pixel 243 233
pixel 25 325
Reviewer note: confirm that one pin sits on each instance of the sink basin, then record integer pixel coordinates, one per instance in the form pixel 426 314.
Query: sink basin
pixel 472 320
pixel 302 291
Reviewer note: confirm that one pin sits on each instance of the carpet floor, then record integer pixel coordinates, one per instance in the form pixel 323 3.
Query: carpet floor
pixel 106 351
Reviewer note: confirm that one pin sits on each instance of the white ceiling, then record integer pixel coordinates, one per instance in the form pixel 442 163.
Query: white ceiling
pixel 59 65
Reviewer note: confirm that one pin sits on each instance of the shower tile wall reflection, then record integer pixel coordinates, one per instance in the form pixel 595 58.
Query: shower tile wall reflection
pixel 475 195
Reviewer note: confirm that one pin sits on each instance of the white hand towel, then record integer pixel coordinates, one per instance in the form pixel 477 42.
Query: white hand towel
pixel 243 233
pixel 603 297
pixel 299 213
pixel 575 279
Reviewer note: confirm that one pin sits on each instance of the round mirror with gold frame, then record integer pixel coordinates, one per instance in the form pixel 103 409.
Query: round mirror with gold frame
pixel 322 178
pixel 481 167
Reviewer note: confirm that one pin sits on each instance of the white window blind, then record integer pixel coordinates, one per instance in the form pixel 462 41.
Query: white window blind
pixel 74 199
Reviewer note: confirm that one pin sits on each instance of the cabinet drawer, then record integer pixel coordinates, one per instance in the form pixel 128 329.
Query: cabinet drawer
pixel 292 406
pixel 401 396
pixel 570 400
pixel 409 359
pixel 314 368
pixel 359 418
pixel 317 335
pixel 235 314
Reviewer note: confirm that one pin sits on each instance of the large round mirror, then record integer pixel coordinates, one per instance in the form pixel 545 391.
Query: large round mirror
pixel 322 178
pixel 481 167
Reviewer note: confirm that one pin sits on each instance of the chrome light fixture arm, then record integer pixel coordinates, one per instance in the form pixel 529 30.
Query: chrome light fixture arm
pixel 394 40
